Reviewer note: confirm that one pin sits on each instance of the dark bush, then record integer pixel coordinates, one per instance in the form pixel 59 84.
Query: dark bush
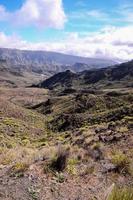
pixel 60 162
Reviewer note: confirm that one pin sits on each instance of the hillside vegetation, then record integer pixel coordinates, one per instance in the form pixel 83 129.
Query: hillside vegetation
pixel 72 139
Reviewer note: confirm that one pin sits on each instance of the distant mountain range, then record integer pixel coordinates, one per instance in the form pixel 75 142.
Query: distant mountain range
pixel 15 77
pixel 117 74
pixel 43 62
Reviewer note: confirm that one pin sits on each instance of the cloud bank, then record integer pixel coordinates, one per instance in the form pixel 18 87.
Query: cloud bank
pixel 110 42
pixel 40 13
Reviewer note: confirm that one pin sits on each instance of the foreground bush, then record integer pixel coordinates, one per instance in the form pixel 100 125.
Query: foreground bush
pixel 59 162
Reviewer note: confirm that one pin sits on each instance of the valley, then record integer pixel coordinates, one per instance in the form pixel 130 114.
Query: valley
pixel 24 68
pixel 67 135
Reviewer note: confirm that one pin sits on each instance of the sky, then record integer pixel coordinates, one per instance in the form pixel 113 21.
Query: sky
pixel 90 28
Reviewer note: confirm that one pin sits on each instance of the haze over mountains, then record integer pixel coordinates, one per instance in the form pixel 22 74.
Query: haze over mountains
pixel 44 62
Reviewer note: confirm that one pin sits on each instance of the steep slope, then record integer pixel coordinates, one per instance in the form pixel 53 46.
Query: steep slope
pixel 62 79
pixel 122 74
pixel 43 61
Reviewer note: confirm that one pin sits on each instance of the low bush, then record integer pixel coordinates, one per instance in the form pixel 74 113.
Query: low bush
pixel 18 169
pixel 121 161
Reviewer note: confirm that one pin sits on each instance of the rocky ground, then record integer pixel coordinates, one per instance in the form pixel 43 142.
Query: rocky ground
pixel 82 162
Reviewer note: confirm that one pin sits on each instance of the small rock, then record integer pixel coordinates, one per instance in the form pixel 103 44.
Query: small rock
pixel 96 154
pixel 108 167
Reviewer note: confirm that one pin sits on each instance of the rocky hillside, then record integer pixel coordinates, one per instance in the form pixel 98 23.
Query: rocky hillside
pixel 118 74
pixel 75 142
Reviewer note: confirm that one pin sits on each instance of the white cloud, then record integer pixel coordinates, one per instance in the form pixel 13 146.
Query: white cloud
pixel 110 42
pixel 98 14
pixel 84 14
pixel 4 15
pixel 11 41
pixel 40 13
pixel 122 13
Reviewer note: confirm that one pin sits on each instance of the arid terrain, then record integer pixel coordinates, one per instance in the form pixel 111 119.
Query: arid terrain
pixel 66 100
pixel 68 139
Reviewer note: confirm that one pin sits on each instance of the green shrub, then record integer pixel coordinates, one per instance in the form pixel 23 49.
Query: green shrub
pixel 59 177
pixel 121 161
pixel 71 167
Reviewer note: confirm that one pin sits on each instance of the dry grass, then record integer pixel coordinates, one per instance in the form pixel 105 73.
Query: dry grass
pixel 121 194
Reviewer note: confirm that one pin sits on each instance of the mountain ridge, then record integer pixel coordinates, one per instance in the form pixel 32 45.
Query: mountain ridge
pixel 46 61
pixel 121 72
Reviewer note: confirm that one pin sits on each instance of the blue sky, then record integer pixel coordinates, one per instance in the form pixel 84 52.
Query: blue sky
pixel 98 8
pixel 59 25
